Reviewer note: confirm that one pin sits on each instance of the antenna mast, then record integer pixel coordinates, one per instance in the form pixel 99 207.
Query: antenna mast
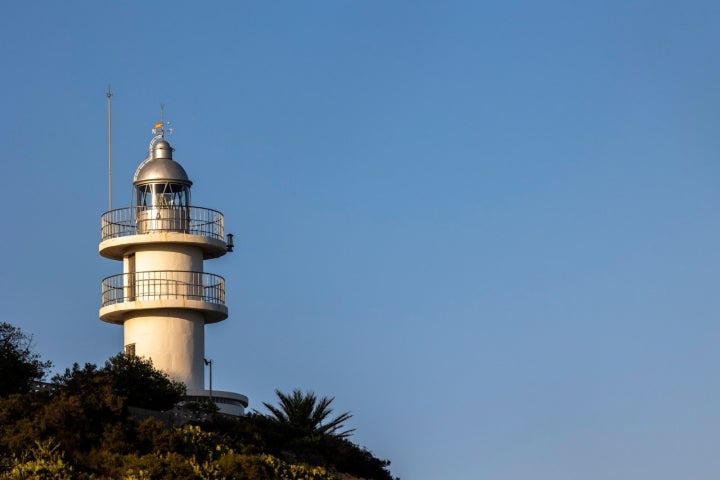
pixel 109 136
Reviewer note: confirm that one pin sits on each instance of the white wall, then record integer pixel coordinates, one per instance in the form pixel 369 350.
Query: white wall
pixel 174 339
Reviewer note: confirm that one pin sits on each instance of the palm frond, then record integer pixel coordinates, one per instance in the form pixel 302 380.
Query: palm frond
pixel 308 414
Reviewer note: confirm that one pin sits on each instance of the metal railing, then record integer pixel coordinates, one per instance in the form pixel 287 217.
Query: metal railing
pixel 163 284
pixel 123 222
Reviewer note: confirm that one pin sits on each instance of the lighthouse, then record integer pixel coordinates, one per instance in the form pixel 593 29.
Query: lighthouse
pixel 164 298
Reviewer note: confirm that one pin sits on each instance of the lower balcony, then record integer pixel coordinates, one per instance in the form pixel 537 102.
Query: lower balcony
pixel 128 292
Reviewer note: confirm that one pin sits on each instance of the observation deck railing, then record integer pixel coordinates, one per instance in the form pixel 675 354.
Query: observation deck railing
pixel 162 285
pixel 123 222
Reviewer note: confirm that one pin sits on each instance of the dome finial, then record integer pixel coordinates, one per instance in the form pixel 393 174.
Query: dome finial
pixel 159 131
pixel 160 126
pixel 159 163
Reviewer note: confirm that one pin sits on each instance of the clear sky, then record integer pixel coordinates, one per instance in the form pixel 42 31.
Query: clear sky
pixel 489 229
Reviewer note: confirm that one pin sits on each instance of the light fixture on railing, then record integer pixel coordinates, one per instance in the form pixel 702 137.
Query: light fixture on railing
pixel 230 244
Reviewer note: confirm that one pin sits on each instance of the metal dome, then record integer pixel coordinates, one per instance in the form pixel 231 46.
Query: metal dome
pixel 160 167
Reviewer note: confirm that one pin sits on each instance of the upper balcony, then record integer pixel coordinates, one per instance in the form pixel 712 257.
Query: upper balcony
pixel 124 228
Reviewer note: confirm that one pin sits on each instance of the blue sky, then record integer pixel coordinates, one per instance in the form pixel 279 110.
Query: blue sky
pixel 490 230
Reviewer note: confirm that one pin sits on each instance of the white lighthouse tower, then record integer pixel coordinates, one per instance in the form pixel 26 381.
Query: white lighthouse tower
pixel 164 298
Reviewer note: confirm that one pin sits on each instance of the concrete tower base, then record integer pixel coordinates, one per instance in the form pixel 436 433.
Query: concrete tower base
pixel 174 339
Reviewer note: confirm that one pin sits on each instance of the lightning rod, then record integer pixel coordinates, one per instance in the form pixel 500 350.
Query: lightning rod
pixel 109 141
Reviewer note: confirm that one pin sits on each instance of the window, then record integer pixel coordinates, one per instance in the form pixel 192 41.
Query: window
pixel 162 195
pixel 130 349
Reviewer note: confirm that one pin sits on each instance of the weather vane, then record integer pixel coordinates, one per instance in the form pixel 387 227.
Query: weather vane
pixel 160 127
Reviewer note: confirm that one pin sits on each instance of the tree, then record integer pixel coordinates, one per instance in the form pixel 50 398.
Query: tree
pixel 133 379
pixel 307 415
pixel 19 366
pixel 142 384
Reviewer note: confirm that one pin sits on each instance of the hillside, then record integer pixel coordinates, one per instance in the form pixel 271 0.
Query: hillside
pixel 122 421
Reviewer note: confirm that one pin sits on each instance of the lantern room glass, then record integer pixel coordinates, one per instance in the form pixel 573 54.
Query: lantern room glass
pixel 162 195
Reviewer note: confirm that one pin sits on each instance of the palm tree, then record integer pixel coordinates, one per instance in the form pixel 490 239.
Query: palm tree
pixel 308 415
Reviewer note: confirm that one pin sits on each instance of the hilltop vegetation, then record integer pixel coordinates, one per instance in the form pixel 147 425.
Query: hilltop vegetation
pixel 85 426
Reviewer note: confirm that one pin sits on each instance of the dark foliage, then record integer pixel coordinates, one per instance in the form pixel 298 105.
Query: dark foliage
pixel 19 366
pixel 256 433
pixel 304 414
pixel 131 378
pixel 82 429
pixel 141 384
